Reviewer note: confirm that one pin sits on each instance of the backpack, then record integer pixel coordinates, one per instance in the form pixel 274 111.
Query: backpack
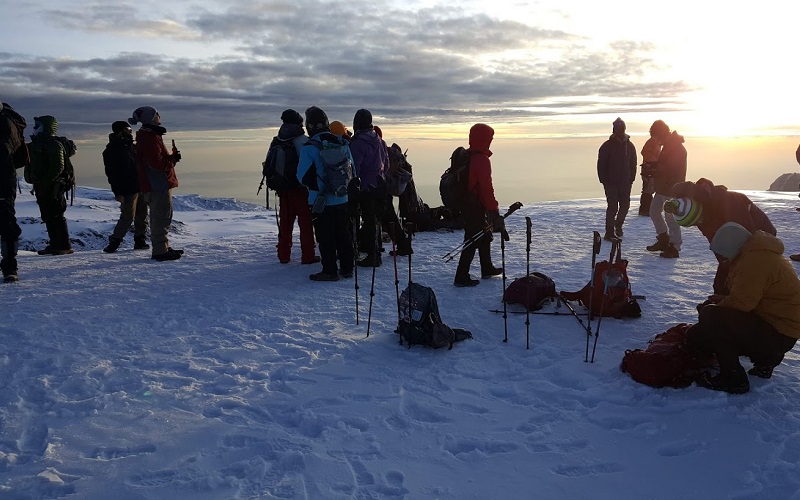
pixel 531 291
pixel 667 361
pixel 420 323
pixel 280 166
pixel 609 291
pixel 337 168
pixel 453 184
pixel 21 157
pixel 399 174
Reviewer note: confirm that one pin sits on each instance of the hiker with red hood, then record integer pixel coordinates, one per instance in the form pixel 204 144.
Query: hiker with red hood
pixel 482 205
pixel 670 169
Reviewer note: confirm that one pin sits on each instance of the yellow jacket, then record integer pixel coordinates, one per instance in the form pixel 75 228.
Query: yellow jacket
pixel 763 281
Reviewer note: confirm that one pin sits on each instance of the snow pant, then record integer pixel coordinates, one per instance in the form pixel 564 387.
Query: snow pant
pixel 9 229
pixel 132 209
pixel 729 333
pixel 332 229
pixel 618 200
pixel 475 223
pixel 160 204
pixel 52 206
pixel 664 222
pixel 294 205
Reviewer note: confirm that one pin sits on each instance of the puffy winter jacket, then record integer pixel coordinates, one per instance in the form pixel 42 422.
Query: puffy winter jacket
pixel 310 159
pixel 156 168
pixel 47 156
pixel 480 166
pixel 616 162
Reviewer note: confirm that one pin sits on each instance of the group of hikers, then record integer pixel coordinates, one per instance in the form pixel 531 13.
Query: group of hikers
pixel 339 186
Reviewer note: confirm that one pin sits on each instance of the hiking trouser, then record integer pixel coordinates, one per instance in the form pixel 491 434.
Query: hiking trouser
pixel 294 205
pixel 9 229
pixel 664 222
pixel 332 229
pixel 160 204
pixel 132 209
pixel 52 206
pixel 618 200
pixel 729 333
pixel 371 214
pixel 475 223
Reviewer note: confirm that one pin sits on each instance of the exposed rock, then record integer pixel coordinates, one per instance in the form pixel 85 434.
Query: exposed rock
pixel 786 182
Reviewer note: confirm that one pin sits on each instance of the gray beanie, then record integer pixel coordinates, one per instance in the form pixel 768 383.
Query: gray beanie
pixel 729 240
pixel 144 115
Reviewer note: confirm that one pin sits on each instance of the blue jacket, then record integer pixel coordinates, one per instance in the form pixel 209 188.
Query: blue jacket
pixel 309 158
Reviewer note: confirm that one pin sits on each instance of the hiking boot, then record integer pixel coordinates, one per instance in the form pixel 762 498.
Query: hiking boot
pixel 139 243
pixel 730 381
pixel 65 251
pixel 491 272
pixel 465 282
pixel 795 257
pixel 10 276
pixel 661 244
pixel 610 236
pixel 618 231
pixel 323 276
pixel 761 371
pixel 48 250
pixel 372 260
pixel 113 244
pixel 345 274
pixel 670 253
pixel 170 254
pixel 313 260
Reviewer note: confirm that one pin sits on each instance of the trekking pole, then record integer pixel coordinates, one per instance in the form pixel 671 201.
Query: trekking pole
pixel 475 237
pixel 374 266
pixel 528 225
pixel 503 263
pixel 603 303
pixel 355 258
pixel 596 244
pixel 396 279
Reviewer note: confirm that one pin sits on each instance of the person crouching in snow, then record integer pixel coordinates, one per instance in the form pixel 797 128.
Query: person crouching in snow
pixel 760 318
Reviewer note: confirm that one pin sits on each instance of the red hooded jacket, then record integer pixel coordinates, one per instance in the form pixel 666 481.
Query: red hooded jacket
pixel 480 167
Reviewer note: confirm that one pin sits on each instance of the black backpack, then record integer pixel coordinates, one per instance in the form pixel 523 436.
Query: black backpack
pixel 337 166
pixel 420 322
pixel 453 184
pixel 21 157
pixel 532 291
pixel 280 166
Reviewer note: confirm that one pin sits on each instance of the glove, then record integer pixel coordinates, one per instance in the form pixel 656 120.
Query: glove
pixel 497 223
pixel 175 157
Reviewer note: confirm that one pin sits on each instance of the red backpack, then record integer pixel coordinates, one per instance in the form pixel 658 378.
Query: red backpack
pixel 667 361
pixel 609 292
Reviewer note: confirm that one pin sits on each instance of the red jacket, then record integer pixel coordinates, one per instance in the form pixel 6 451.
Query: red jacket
pixel 480 167
pixel 156 168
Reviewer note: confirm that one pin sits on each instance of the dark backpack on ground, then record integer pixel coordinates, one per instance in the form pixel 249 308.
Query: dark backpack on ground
pixel 609 292
pixel 453 184
pixel 667 361
pixel 531 291
pixel 280 166
pixel 420 322
pixel 337 168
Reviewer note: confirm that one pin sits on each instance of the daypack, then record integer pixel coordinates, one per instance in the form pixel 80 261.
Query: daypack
pixel 399 174
pixel 21 157
pixel 453 184
pixel 667 361
pixel 420 322
pixel 531 291
pixel 609 291
pixel 336 165
pixel 280 166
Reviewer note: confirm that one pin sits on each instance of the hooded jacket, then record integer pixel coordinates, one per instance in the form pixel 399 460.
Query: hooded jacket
pixel 671 164
pixel 310 159
pixel 47 156
pixel 370 158
pixel 480 167
pixel 119 159
pixel 155 167
pixel 616 161
pixel 761 280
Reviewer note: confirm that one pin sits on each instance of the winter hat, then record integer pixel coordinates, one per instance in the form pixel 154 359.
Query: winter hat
pixel 618 123
pixel 316 120
pixel 292 116
pixel 687 211
pixel 362 120
pixel 45 124
pixel 729 240
pixel 144 115
pixel 338 128
pixel 659 128
pixel 119 126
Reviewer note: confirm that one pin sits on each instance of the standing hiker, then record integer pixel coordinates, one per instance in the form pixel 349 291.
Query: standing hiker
pixel 616 169
pixel 650 153
pixel 479 206
pixel 670 169
pixel 119 159
pixel 13 155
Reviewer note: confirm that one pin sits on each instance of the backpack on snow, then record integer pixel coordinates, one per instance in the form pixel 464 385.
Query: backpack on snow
pixel 421 324
pixel 280 166
pixel 609 291
pixel 531 291
pixel 667 361
pixel 453 184
pixel 337 168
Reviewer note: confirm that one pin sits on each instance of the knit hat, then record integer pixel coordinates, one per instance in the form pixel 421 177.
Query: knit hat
pixel 45 124
pixel 144 115
pixel 338 128
pixel 119 126
pixel 687 211
pixel 292 116
pixel 729 240
pixel 362 120
pixel 618 123
pixel 316 120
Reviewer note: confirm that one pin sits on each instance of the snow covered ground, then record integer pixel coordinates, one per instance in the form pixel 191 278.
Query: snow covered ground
pixel 228 375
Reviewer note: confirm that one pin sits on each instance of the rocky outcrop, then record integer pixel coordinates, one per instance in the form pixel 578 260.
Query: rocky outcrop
pixel 786 182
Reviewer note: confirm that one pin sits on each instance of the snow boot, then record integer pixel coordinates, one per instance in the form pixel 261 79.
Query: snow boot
pixel 661 244
pixel 140 243
pixel 732 381
pixel 113 244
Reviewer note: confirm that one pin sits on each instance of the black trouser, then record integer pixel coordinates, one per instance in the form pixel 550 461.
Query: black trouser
pixel 371 214
pixel 391 224
pixel 618 199
pixel 729 333
pixel 475 223
pixel 9 229
pixel 332 229
pixel 52 206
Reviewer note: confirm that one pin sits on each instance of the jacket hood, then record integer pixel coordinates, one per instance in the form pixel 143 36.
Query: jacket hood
pixel 289 131
pixel 45 125
pixel 116 139
pixel 763 242
pixel 480 138
pixel 675 137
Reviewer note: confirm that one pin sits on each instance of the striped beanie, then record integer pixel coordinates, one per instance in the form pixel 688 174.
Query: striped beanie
pixel 687 212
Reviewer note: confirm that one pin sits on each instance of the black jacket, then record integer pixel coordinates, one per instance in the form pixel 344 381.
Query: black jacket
pixel 119 159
